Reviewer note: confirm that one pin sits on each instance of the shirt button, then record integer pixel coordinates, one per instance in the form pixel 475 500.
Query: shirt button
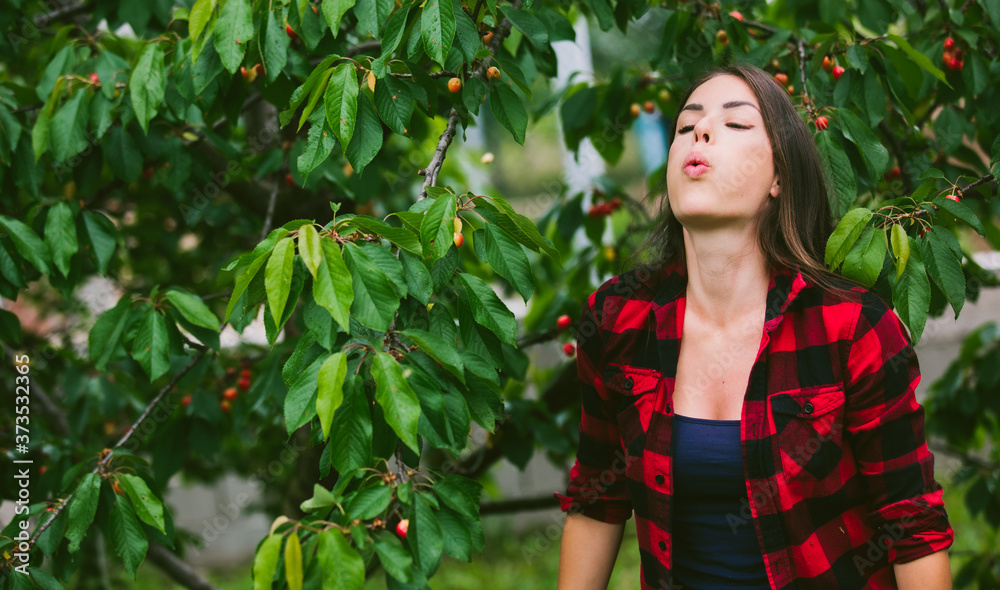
pixel 629 383
pixel 663 546
pixel 808 408
pixel 660 479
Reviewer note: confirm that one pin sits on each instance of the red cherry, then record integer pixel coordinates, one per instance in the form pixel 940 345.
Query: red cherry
pixel 118 490
pixel 569 349
pixel 148 172
pixel 953 198
pixel 615 203
pixel 828 63
pixel 289 180
pixel 960 64
pixel 563 322
pixel 245 374
pixel 953 64
pixel 822 123
pixel 225 406
pixel 949 43
pixel 42 470
pixel 402 527
pixel 94 79
pixel 230 393
pixel 291 32
pixel 838 71
pixel 186 401
pixel 735 14
pixel 244 384
pixel 895 172
pixel 782 78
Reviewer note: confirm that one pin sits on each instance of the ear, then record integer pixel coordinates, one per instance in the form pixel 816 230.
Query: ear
pixel 775 187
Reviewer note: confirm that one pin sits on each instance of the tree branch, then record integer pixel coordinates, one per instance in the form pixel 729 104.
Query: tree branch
pixel 270 211
pixel 434 168
pixel 177 568
pixel 69 10
pixel 519 505
pixel 982 180
pixel 125 438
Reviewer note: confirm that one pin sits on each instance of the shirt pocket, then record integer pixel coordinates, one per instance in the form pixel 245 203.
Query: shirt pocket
pixel 634 393
pixel 809 427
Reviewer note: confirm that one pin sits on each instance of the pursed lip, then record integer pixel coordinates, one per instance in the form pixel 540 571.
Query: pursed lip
pixel 696 164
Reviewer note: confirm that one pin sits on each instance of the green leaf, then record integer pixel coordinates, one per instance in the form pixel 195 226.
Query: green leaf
pixel 233 32
pixel 509 260
pixel 394 102
pixel 426 536
pixel 520 227
pixel 334 11
pixel 40 133
pixel 845 235
pixel 332 373
pixel 402 237
pixel 278 277
pixel 944 266
pixel 418 278
pixel 122 155
pixel 528 24
pixel 27 243
pixel 370 502
pixel 147 506
pixel 322 498
pixel 102 235
pixel 864 261
pixel 309 248
pixel 192 308
pixel 375 300
pixel 961 211
pixel 319 145
pixel 839 170
pixel 333 287
pixel 265 563
pixel 68 129
pixel 342 567
pixel 438 226
pixel 396 560
pixel 293 562
pixel 10 327
pixel 82 508
pixel 920 59
pixel 60 235
pixel 150 349
pixel 199 16
pixel 438 349
pixel 367 139
pixel 275 48
pixel 508 110
pixel 259 256
pixel 147 85
pixel 341 102
pixel 461 494
pixel 61 63
pixel 874 154
pixel 352 423
pixel 488 310
pixel 300 403
pixel 456 535
pixel 900 248
pixel 437 26
pixel 911 294
pixel 107 332
pixel 398 401
pixel 127 535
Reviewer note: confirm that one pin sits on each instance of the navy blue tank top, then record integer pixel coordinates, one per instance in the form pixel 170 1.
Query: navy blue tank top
pixel 711 551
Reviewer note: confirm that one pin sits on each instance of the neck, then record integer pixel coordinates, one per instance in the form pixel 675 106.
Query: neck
pixel 727 276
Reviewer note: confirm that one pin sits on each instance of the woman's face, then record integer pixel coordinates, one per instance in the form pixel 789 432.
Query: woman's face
pixel 720 170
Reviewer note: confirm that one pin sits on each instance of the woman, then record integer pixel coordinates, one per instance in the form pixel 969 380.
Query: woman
pixel 779 443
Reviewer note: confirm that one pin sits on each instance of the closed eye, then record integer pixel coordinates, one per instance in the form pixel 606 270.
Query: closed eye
pixel 688 128
pixel 685 129
pixel 737 126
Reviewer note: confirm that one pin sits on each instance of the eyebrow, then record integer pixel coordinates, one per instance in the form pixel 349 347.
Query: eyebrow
pixel 731 104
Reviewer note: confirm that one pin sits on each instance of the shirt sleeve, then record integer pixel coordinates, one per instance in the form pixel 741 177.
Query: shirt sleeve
pixel 597 487
pixel 885 428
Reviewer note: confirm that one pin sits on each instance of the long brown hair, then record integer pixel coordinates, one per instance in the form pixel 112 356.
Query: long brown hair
pixel 793 230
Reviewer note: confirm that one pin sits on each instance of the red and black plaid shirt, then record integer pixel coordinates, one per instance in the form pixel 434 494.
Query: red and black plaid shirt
pixel 839 479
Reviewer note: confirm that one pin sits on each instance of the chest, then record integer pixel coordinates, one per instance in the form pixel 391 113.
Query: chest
pixel 713 370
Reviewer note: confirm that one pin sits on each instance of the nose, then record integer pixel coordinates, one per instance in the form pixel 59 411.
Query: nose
pixel 703 130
